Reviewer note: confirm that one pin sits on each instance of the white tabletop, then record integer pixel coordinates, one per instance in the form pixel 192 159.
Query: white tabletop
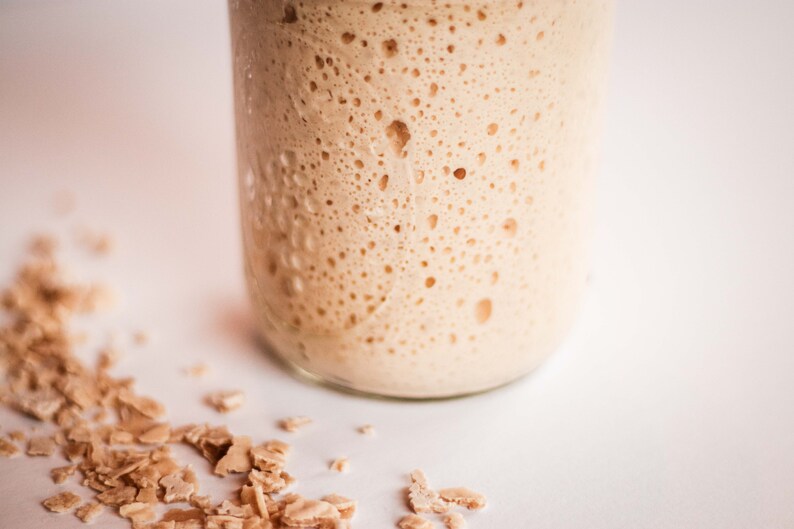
pixel 670 406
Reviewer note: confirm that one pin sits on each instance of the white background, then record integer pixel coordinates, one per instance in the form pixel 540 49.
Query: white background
pixel 670 406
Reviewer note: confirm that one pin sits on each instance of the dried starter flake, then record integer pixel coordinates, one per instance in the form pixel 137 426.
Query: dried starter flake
pixel 413 521
pixel 293 424
pixel 340 464
pixel 463 496
pixel 421 497
pixel 7 448
pixel 177 489
pixel 280 447
pixel 87 512
pixel 237 459
pixel 265 458
pixel 137 512
pixel 303 512
pixel 226 401
pixel 41 446
pixel 60 474
pixel 345 506
pixel 63 502
pixel 197 370
pixel 17 435
pixel 157 434
pixel 454 520
pixel 270 481
pixel 367 430
pixel 118 495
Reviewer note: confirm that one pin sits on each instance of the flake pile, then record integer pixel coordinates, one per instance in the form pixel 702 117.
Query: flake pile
pixel 116 440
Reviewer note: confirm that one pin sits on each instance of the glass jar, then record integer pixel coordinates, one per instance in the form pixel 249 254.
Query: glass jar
pixel 416 183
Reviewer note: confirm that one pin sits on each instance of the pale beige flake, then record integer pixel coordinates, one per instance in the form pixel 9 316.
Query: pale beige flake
pixel 17 435
pixel 88 512
pixel 223 521
pixel 7 448
pixel 340 464
pixel 157 434
pixel 118 495
pixel 237 459
pixel 140 338
pixel 303 512
pixel 367 430
pixel 274 445
pixel 293 424
pixel 63 502
pixel 197 370
pixel 454 520
pixel 43 245
pixel 60 474
pixel 265 458
pixel 270 481
pixel 177 489
pixel 137 512
pixel 41 446
pixel 413 521
pixel 463 496
pixel 421 497
pixel 95 242
pixel 226 401
pixel 345 506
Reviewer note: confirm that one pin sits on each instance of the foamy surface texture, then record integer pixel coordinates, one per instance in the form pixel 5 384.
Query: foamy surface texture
pixel 416 183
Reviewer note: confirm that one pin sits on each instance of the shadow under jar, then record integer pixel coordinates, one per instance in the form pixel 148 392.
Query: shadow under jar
pixel 416 183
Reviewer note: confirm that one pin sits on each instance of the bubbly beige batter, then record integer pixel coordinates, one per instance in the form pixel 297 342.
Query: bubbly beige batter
pixel 416 183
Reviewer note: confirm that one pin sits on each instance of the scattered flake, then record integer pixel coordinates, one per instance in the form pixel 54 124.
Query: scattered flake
pixel 197 370
pixel 223 521
pixel 463 496
pixel 108 357
pixel 293 424
pixel 270 481
pixel 7 448
pixel 212 442
pixel 265 458
pixel 367 430
pixel 177 489
pixel 87 512
pixel 226 401
pixel 147 495
pixel 140 338
pixel 158 434
pixel 43 245
pixel 63 502
pixel 274 445
pixel 413 521
pixel 237 459
pixel 421 497
pixel 41 446
pixel 147 407
pixel 137 512
pixel 183 515
pixel 60 474
pixel 17 435
pixel 454 520
pixel 345 506
pixel 118 495
pixel 340 464
pixel 303 512
pixel 95 242
pixel 231 508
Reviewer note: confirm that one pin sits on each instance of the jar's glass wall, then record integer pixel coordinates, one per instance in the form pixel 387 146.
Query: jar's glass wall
pixel 415 183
